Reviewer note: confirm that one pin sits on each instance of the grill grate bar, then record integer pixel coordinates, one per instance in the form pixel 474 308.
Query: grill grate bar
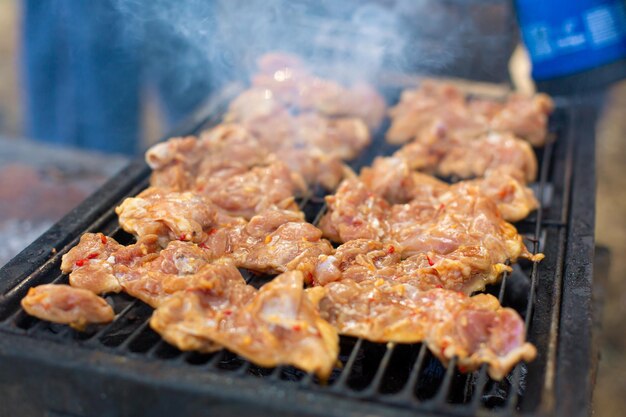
pixel 106 328
pixel 444 390
pixel 341 382
pixel 375 385
pixel 408 392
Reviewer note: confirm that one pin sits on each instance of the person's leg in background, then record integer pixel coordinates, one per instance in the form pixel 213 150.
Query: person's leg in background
pixel 81 74
pixel 178 53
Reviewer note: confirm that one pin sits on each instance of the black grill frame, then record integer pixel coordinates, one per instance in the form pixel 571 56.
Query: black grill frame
pixel 50 368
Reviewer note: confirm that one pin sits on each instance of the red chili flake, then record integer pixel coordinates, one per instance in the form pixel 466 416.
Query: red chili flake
pixel 103 239
pixel 182 237
pixel 296 327
pixel 203 245
pixel 309 277
pixel 442 206
pixel 81 262
pixel 92 255
pixel 212 231
pixel 430 261
pixel 439 286
pixel 371 298
pixel 391 250
pixel 462 369
pixel 228 312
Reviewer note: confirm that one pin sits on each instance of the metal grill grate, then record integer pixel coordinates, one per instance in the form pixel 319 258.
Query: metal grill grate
pixel 398 377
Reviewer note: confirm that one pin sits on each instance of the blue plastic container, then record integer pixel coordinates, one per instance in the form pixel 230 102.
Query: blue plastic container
pixel 571 36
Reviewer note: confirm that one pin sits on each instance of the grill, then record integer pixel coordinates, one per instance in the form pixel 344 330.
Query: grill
pixel 124 368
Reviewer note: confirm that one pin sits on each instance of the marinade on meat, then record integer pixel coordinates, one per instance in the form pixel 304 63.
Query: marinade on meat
pixel 169 215
pixel 392 179
pixel 274 325
pixel 476 330
pixel 67 305
pixel 440 109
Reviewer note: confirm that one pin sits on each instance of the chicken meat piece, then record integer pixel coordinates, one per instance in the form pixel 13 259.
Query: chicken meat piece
pixel 433 107
pixel 476 330
pixel 94 263
pixel 454 155
pixel 392 179
pixel 459 220
pixel 315 166
pixel 67 305
pixel 464 270
pixel 142 270
pixel 288 78
pixel 439 106
pixel 275 127
pixel 461 234
pixel 275 244
pixel 169 215
pixel 221 152
pixel 524 116
pixel 258 189
pixel 274 325
pixel 355 212
pixel 514 199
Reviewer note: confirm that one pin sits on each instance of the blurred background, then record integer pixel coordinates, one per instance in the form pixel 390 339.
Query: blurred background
pixel 57 144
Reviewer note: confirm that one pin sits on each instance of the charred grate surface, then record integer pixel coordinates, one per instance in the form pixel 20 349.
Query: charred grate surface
pixel 400 377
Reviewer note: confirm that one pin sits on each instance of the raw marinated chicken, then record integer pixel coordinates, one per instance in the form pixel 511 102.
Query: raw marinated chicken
pixel 221 152
pixel 524 116
pixel 94 264
pixel 287 77
pixel 140 269
pixel 169 215
pixel 67 305
pixel 271 326
pixel 454 155
pixel 461 234
pixel 252 192
pixel 355 212
pixel 275 243
pixel 392 179
pixel 465 269
pixel 476 330
pixel 265 117
pixel 434 107
pixel 442 108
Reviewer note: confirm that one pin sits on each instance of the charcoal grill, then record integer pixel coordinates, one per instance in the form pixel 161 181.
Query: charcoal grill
pixel 124 368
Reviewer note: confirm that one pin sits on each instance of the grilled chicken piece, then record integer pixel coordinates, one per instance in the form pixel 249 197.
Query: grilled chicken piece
pixel 277 241
pixel 434 107
pixel 437 106
pixel 459 220
pixel 272 326
pixel 169 215
pixel 461 234
pixel 524 116
pixel 287 77
pixel 226 150
pixel 355 212
pixel 256 190
pixel 477 330
pixel 67 305
pixel 466 269
pixel 140 269
pixel 265 117
pixel 515 200
pixel 453 154
pixel 392 179
pixel 94 263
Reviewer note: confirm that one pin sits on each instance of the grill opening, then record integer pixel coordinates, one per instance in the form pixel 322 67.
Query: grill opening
pixel 397 375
